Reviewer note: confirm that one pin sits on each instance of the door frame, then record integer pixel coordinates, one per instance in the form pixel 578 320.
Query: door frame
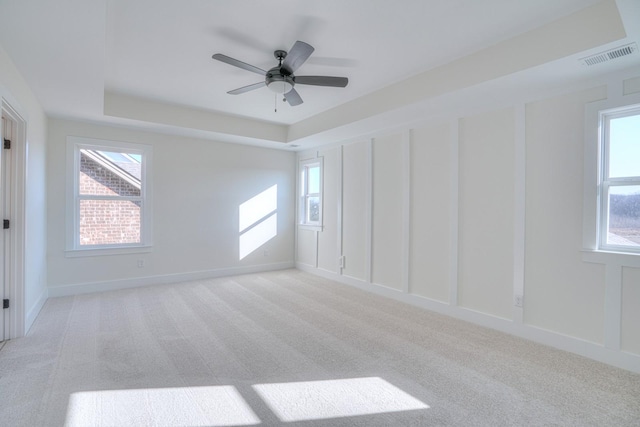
pixel 14 316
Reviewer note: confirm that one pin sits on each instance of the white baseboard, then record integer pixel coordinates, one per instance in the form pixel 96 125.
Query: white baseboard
pixel 620 359
pixel 33 312
pixel 84 288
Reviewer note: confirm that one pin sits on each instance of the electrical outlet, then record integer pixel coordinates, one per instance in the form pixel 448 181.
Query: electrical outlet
pixel 517 300
pixel 140 263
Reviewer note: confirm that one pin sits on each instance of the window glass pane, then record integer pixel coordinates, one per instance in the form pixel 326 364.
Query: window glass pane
pixel 106 222
pixel 129 163
pixel 624 147
pixel 101 176
pixel 624 216
pixel 313 209
pixel 314 179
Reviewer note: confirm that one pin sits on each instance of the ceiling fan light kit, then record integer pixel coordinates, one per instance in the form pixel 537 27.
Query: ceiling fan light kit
pixel 281 79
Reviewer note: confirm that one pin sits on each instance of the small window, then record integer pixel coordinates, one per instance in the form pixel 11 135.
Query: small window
pixel 619 176
pixel 109 201
pixel 311 192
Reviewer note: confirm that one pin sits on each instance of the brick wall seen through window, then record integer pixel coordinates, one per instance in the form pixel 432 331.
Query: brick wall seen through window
pixel 107 221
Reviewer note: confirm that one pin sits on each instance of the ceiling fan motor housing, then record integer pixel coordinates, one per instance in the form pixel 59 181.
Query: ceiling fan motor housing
pixel 279 80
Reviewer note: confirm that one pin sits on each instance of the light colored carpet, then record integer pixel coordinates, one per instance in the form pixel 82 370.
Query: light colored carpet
pixel 289 348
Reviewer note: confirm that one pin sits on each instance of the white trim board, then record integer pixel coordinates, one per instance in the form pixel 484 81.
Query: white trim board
pixel 623 360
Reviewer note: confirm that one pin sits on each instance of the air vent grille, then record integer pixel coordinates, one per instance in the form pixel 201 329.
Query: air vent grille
pixel 608 55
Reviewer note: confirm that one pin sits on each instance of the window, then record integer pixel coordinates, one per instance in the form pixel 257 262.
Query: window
pixel 311 192
pixel 619 180
pixel 108 193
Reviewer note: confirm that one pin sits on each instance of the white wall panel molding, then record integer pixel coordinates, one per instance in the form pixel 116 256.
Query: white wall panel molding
pixel 406 208
pixel 520 212
pixel 594 325
pixel 454 202
pixel 340 196
pixel 369 216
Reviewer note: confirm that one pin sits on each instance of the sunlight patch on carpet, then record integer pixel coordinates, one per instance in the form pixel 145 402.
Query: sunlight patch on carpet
pixel 316 400
pixel 192 406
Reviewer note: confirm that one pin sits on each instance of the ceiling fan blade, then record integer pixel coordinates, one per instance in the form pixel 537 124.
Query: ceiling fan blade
pixel 293 98
pixel 298 54
pixel 239 64
pixel 322 81
pixel 246 88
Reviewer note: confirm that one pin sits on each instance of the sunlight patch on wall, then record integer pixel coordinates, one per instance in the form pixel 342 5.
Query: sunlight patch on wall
pixel 256 208
pixel 193 406
pixel 258 221
pixel 316 400
pixel 258 235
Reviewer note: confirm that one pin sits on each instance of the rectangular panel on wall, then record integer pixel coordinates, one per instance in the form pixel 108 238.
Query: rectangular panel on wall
pixel 430 217
pixel 630 86
pixel 562 293
pixel 486 214
pixel 328 237
pixel 387 242
pixel 355 210
pixel 306 247
pixel 630 322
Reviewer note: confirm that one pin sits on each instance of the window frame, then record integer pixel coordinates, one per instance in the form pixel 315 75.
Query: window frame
pixel 74 147
pixel 594 223
pixel 304 195
pixel 605 183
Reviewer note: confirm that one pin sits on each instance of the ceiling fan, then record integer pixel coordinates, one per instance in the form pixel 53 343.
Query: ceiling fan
pixel 280 79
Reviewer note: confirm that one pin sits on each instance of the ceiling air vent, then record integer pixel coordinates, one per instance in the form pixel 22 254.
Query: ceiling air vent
pixel 608 55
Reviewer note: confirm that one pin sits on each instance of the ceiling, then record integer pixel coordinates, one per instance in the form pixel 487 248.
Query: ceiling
pixel 147 63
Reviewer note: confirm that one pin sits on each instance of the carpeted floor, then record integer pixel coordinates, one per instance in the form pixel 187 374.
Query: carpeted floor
pixel 289 348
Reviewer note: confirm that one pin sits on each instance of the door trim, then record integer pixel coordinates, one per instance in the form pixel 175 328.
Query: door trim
pixel 14 289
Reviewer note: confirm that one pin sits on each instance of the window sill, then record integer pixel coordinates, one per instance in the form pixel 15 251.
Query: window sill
pixel 310 227
pixel 77 253
pixel 610 257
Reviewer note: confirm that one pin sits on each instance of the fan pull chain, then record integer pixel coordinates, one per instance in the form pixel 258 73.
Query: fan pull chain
pixel 275 102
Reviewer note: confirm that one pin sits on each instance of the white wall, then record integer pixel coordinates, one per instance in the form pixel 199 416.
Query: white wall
pixel 15 91
pixel 198 186
pixel 462 212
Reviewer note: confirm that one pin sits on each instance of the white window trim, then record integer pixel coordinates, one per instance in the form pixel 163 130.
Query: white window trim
pixel 301 195
pixel 593 161
pixel 73 248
